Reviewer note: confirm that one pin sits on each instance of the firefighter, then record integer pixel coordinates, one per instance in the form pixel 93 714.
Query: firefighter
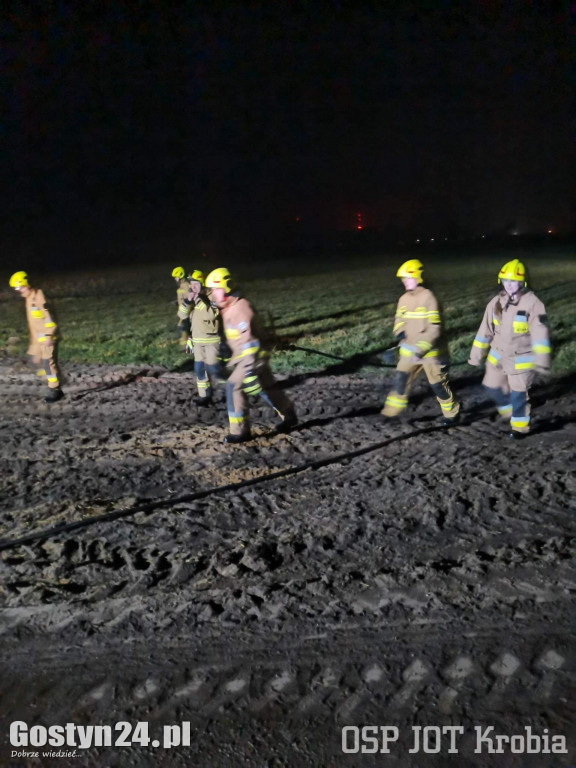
pixel 250 371
pixel 418 330
pixel 183 286
pixel 42 349
pixel 206 337
pixel 514 338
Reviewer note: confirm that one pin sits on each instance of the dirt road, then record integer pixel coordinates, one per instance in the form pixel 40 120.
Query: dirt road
pixel 353 572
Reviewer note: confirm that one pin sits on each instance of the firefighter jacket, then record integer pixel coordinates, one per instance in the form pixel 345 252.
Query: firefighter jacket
pixel 513 334
pixel 242 331
pixel 417 324
pixel 205 322
pixel 40 323
pixel 181 296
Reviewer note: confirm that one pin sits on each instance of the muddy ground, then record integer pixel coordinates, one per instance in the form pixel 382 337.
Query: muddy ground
pixel 354 572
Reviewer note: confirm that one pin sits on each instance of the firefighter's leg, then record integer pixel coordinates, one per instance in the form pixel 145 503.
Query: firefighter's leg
pixel 202 380
pixel 52 374
pixel 496 384
pixel 216 374
pixel 397 399
pixel 35 361
pixel 49 369
pixel 237 402
pixel 271 392
pixel 520 401
pixel 213 365
pixel 438 380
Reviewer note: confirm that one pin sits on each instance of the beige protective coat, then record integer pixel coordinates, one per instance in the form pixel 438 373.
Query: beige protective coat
pixel 247 361
pixel 42 329
pixel 417 322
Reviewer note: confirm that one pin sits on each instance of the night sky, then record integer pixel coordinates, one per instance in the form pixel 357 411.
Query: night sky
pixel 135 125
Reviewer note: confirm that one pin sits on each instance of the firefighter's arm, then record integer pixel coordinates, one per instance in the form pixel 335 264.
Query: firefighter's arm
pixel 399 322
pixel 540 336
pixel 483 338
pixel 432 329
pixel 46 335
pixel 185 308
pixel 250 344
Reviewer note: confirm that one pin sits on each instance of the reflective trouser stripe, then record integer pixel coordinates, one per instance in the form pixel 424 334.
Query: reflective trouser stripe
pixel 396 402
pixel 510 392
pixel 520 420
pixel 406 373
pixel 237 399
pixel 49 366
pixel 202 379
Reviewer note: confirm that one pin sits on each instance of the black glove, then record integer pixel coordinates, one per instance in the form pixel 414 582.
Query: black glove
pixel 389 356
pixel 224 352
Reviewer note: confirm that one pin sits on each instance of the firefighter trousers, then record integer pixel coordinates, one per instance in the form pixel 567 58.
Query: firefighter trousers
pixel 511 394
pixel 258 379
pixel 406 372
pixel 207 368
pixel 44 358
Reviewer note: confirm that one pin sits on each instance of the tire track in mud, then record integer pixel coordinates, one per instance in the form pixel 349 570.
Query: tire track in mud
pixel 315 682
pixel 427 575
pixel 201 494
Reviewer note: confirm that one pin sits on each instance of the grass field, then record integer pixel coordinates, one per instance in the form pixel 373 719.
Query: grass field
pixel 125 315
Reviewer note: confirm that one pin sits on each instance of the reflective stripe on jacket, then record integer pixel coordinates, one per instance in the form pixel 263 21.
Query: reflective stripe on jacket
pixel 184 308
pixel 241 335
pixel 418 317
pixel 40 323
pixel 205 322
pixel 513 334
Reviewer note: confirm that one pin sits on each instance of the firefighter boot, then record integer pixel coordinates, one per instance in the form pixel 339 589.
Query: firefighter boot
pixel 446 422
pixel 54 395
pixel 514 435
pixel 243 437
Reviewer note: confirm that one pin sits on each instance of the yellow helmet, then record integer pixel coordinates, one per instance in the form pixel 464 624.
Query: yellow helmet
pixel 411 268
pixel 219 278
pixel 19 280
pixel 197 275
pixel 179 273
pixel 513 270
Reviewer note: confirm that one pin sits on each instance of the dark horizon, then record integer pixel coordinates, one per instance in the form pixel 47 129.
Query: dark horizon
pixel 177 128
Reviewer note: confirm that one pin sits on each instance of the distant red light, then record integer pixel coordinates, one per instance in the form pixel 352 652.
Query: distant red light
pixel 359 226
